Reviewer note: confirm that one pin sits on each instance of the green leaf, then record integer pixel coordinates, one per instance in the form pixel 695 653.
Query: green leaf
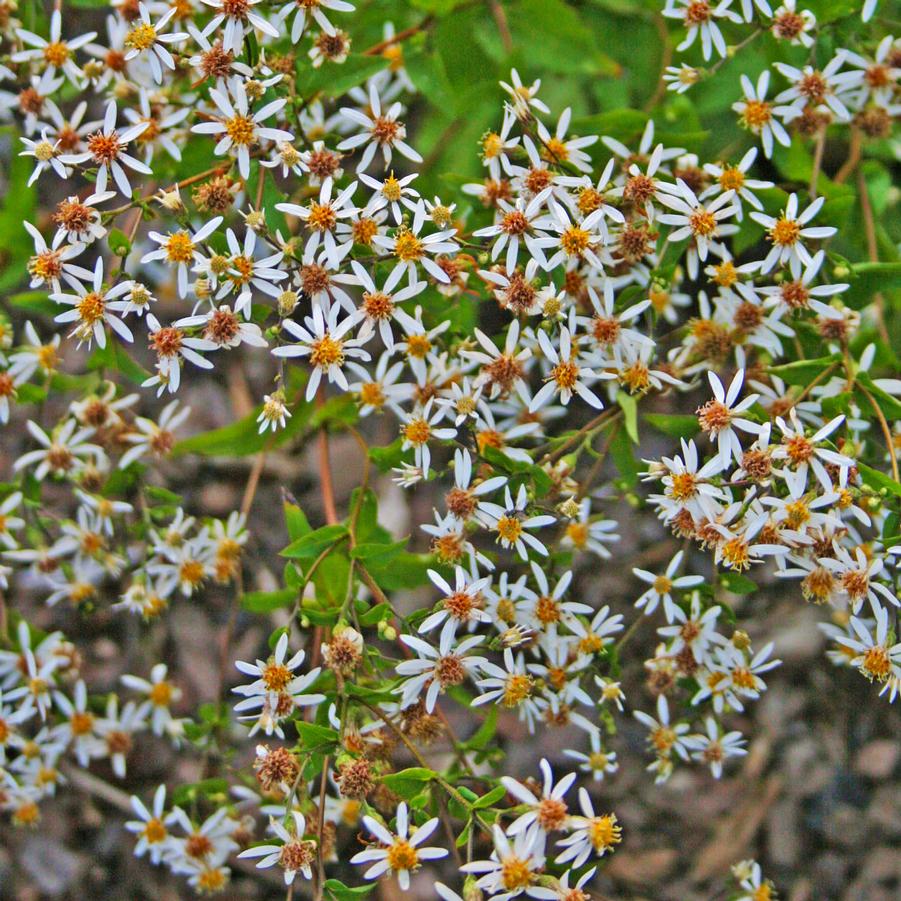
pixel 409 782
pixel 341 892
pixel 312 544
pixel 629 406
pixel 737 583
pixel 116 358
pixel 674 425
pixel 803 372
pixel 491 798
pixel 315 738
pixel 878 480
pixel 267 601
pixel 333 80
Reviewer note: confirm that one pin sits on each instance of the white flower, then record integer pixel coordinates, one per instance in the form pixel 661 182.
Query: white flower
pixel 513 526
pixel 436 669
pixel 700 19
pixel 410 247
pixel 322 217
pixel 151 826
pixel 418 429
pixel 322 339
pixel 703 223
pixel 313 9
pixel 294 855
pixel 757 113
pixel 145 37
pixel 181 249
pixel 525 858
pixel 548 812
pixel 514 227
pixel 240 129
pixel 237 18
pixel 172 346
pixel 814 87
pixel 591 834
pixel 161 693
pixel 62 453
pixel 714 749
pixel 662 587
pixel 106 150
pixel 403 852
pixel 462 604
pixel 54 53
pixel 787 234
pixel 525 98
pixel 566 376
pixel 381 130
pixel 598 762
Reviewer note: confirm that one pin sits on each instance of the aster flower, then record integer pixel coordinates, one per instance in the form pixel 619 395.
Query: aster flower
pixel 151 827
pixel 435 670
pixel 322 339
pixel 106 150
pixel 181 249
pixel 592 834
pixel 293 854
pixel 701 20
pixel 788 232
pixel 403 852
pixel 149 39
pixel 238 18
pixel 757 114
pixel 239 128
pixel 513 868
pixel 514 527
pixel 381 131
pixel 54 53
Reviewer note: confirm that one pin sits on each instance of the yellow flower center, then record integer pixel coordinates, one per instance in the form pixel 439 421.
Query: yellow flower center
pixel 402 856
pixel 179 248
pixel 241 129
pixel 141 37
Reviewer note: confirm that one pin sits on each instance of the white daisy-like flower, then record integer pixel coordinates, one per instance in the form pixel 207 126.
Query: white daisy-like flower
pixel 314 9
pixel 514 527
pixel 322 217
pixel 323 340
pixel 240 129
pixel 151 827
pixel 662 587
pixel 381 131
pixel 181 249
pixel 757 114
pixel 53 53
pixel 172 346
pixel 147 38
pixel 716 747
pixel 597 762
pixel 94 308
pixel 513 868
pixel 701 20
pixel 525 97
pixel 788 232
pixel 294 854
pixel 418 428
pixel 548 812
pixel 411 248
pixel 403 852
pixel 436 669
pixel 566 376
pixel 592 834
pixel 106 150
pixel 239 18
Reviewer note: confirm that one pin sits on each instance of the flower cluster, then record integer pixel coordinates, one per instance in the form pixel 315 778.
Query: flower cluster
pixel 505 337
